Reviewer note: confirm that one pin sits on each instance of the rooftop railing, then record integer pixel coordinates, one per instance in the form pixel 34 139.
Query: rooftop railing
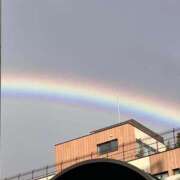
pixel 171 141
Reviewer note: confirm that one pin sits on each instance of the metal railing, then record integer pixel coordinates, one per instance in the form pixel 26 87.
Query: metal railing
pixel 126 152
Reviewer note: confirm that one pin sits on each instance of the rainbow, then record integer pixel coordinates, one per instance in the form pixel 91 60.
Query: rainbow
pixel 89 94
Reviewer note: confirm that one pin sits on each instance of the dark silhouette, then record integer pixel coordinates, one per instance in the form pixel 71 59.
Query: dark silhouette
pixel 103 169
pixel 178 140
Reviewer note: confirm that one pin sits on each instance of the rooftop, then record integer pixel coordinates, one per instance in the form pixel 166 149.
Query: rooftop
pixel 130 121
pixel 135 124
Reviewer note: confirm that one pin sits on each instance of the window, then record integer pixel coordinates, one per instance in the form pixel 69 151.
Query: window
pixel 106 147
pixel 143 149
pixel 176 171
pixel 162 176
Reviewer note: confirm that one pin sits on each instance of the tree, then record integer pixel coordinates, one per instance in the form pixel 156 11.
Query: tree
pixel 140 152
pixel 168 145
pixel 178 139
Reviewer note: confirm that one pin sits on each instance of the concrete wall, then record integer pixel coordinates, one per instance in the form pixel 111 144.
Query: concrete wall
pixel 143 163
pixel 174 177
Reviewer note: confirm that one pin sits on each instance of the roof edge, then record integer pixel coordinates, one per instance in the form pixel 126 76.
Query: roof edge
pixel 133 122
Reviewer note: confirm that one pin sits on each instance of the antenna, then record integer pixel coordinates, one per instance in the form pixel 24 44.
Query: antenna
pixel 119 114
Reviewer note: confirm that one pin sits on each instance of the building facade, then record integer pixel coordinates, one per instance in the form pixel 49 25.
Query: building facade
pixel 129 141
